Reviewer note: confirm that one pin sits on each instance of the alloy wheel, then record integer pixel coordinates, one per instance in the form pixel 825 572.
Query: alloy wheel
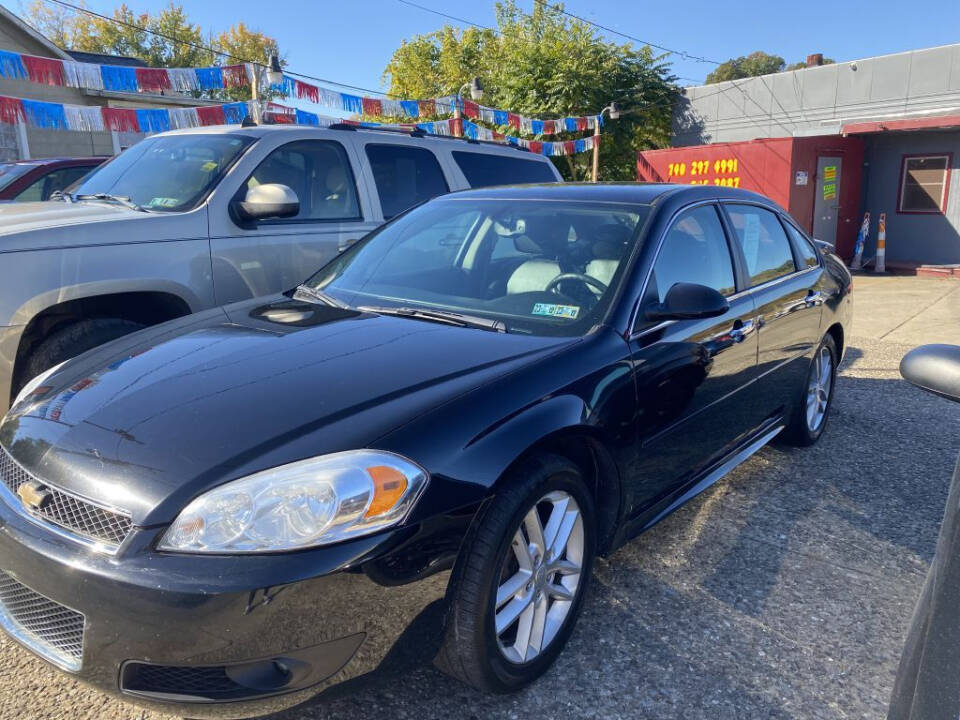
pixel 818 388
pixel 540 577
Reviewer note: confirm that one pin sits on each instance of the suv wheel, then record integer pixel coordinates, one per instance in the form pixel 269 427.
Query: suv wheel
pixel 72 340
pixel 519 585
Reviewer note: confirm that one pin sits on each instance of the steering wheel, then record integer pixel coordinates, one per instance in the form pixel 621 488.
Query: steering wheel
pixel 590 282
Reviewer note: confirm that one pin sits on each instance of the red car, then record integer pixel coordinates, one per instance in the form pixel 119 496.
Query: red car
pixel 32 180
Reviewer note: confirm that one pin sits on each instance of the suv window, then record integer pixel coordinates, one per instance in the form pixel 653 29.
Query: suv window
pixel 805 249
pixel 694 250
pixel 486 169
pixel 404 176
pixel 318 171
pixel 763 241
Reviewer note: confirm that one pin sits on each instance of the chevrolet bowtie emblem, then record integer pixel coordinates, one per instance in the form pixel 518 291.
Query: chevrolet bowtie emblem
pixel 33 495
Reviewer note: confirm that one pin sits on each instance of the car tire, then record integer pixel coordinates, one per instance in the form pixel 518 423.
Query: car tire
pixel 808 422
pixel 72 340
pixel 489 568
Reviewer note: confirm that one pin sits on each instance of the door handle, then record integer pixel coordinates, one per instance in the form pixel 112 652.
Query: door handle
pixel 741 330
pixel 814 298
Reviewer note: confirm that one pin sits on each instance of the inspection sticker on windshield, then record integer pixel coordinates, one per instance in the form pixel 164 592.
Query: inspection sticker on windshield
pixel 163 202
pixel 564 311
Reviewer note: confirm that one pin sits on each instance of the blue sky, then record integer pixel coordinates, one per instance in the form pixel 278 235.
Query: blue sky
pixel 351 41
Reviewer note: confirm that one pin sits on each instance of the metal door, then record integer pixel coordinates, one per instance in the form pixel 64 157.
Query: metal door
pixel 826 204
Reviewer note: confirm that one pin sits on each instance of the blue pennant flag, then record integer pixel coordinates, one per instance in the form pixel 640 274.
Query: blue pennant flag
pixel 351 103
pixel 511 140
pixel 119 78
pixel 548 148
pixel 307 118
pixel 234 113
pixel 536 127
pixel 500 117
pixel 153 121
pixel 570 124
pixel 579 146
pixel 11 66
pixel 411 108
pixel 209 78
pixel 45 115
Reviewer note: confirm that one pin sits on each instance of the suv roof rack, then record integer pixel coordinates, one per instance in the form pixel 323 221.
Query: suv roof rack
pixel 418 133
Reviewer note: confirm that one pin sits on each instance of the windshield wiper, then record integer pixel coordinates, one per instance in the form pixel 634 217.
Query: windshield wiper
pixel 62 195
pixel 119 199
pixel 308 294
pixel 442 316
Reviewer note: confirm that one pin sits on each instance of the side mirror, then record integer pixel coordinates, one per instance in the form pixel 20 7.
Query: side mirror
pixel 688 301
pixel 935 368
pixel 270 200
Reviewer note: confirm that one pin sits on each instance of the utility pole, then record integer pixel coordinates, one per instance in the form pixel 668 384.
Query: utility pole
pixel 614 112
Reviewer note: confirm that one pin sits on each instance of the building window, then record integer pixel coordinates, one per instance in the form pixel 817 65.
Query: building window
pixel 923 183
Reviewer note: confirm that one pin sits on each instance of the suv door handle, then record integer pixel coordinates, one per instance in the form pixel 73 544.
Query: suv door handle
pixel 741 330
pixel 814 298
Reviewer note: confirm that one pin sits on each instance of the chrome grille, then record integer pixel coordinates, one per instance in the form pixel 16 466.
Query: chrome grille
pixel 48 628
pixel 66 510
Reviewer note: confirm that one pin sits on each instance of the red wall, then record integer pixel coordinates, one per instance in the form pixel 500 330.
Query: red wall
pixel 768 166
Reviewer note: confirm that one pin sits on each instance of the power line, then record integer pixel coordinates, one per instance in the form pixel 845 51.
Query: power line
pixel 205 48
pixel 443 14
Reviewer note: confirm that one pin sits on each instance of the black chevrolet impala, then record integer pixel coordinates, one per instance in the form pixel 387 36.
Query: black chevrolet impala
pixel 416 454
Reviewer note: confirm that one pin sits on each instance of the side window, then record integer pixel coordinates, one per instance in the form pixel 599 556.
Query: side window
pixel 404 176
pixel 32 192
pixel 763 241
pixel 805 250
pixel 318 171
pixel 695 250
pixel 44 187
pixel 486 169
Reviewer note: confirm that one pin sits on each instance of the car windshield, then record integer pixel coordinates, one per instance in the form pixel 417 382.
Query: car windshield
pixel 536 267
pixel 11 171
pixel 171 173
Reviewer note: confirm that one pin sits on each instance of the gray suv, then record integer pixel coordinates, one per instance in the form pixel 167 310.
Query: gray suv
pixel 192 219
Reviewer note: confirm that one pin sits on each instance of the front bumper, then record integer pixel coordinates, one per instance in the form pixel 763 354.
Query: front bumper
pixel 279 628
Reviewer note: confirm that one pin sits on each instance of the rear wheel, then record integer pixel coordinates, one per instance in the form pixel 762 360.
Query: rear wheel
pixel 72 340
pixel 519 586
pixel 813 408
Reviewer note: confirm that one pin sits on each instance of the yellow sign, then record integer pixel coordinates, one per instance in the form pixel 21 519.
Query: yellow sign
pixel 699 168
pixel 829 191
pixel 830 172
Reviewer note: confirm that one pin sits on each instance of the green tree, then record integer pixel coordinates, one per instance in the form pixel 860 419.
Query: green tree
pixel 167 38
pixel 752 65
pixel 545 64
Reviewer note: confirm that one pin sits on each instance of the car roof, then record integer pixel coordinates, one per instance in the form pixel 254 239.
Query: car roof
pixel 618 192
pixel 258 131
pixel 52 160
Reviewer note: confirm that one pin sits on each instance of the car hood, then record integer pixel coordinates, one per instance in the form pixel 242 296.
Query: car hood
pixel 147 422
pixel 54 224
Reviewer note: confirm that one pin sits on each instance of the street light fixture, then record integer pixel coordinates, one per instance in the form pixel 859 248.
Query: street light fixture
pixel 613 111
pixel 476 89
pixel 274 72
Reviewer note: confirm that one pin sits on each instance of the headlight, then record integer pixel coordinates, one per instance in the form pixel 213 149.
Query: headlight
pixel 312 502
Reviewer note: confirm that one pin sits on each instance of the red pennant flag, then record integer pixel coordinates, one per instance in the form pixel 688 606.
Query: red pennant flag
pixel 234 76
pixel 536 146
pixel 120 119
pixel 513 121
pixel 44 70
pixel 581 123
pixel 11 110
pixel 456 126
pixel 306 90
pixel 426 108
pixel 372 106
pixel 549 127
pixel 152 79
pixel 499 136
pixel 570 147
pixel 471 109
pixel 211 115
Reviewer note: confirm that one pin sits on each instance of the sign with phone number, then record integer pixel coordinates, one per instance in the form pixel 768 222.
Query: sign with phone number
pixel 699 168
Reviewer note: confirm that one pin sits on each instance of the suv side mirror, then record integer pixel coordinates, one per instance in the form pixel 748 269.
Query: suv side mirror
pixel 688 301
pixel 934 368
pixel 270 200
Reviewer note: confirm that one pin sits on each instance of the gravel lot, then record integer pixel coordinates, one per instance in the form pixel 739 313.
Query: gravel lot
pixel 782 592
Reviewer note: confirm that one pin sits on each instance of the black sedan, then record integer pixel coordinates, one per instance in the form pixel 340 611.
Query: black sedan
pixel 416 454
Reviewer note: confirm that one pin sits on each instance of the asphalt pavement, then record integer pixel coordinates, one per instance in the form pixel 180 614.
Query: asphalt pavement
pixel 782 592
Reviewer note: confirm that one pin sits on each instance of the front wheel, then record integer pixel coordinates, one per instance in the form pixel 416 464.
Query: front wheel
pixel 811 412
pixel 519 585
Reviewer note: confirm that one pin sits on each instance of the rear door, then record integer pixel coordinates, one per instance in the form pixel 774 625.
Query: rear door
pixel 690 373
pixel 786 291
pixel 275 255
pixel 402 175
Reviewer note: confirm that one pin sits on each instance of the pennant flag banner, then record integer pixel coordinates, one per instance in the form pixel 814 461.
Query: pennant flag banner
pixel 58 116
